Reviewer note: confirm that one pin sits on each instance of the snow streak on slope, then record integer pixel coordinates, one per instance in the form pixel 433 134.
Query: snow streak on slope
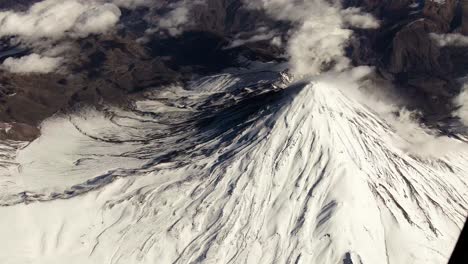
pixel 234 169
pixel 8 166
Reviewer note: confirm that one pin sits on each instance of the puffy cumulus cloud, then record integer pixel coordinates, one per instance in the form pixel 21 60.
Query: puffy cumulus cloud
pixel 451 39
pixel 47 26
pixel 56 19
pixel 321 34
pixel 354 17
pixel 33 63
pixel 282 9
pixel 462 102
pixel 318 46
pixel 97 19
pixel 174 20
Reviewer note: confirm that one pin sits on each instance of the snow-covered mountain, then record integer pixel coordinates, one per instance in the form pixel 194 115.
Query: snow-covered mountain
pixel 241 167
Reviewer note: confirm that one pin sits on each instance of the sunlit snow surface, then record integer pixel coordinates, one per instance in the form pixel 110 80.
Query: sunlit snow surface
pixel 231 169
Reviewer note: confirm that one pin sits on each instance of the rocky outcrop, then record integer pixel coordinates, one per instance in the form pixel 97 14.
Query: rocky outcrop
pixel 101 70
pixel 18 131
pixel 441 12
pixel 413 51
pixel 464 7
pixel 404 53
pixel 229 17
pixel 17 4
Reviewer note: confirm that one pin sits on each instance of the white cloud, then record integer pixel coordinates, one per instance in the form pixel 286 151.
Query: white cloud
pixel 451 39
pixel 33 63
pixel 56 19
pixel 47 26
pixel 174 20
pixel 318 46
pixel 356 18
pixel 97 19
pixel 321 34
pixel 418 139
pixel 277 41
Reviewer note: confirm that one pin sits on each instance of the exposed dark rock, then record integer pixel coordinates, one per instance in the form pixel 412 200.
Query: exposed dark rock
pixel 17 4
pixel 229 17
pixel 414 51
pixel 441 13
pixel 18 131
pixel 405 54
pixel 105 71
pixel 464 7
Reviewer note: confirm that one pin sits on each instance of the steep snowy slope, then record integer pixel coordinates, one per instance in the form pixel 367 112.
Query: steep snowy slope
pixel 231 169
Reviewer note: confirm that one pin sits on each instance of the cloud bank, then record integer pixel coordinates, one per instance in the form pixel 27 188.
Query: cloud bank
pixel 451 39
pixel 33 63
pixel 175 19
pixel 354 17
pixel 51 23
pixel 56 19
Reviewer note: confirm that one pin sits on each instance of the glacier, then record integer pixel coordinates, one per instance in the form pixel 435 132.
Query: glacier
pixel 241 167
